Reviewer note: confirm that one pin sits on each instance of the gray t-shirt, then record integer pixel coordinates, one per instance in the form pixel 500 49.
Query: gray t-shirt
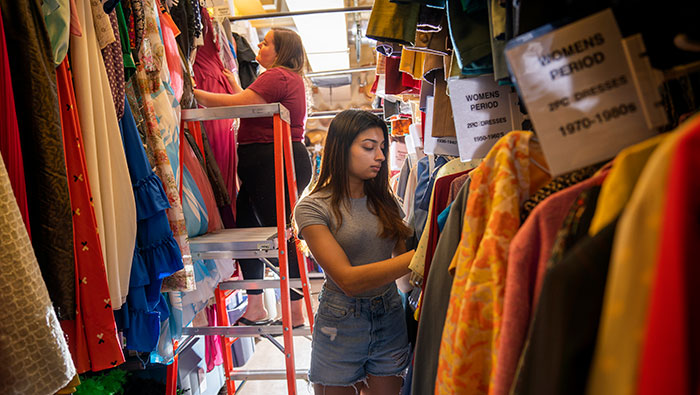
pixel 358 235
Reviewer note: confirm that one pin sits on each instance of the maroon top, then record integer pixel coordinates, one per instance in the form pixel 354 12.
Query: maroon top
pixel 276 85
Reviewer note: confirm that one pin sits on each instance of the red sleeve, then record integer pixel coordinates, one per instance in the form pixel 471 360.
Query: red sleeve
pixel 271 85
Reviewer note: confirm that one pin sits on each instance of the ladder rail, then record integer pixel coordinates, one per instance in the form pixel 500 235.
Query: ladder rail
pixel 281 150
pixel 293 196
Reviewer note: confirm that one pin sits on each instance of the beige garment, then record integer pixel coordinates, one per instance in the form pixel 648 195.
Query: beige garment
pixel 104 153
pixel 435 43
pixel 443 120
pixel 630 276
pixel 431 66
pixel 417 264
pixel 101 24
pixel 408 200
pixel 33 350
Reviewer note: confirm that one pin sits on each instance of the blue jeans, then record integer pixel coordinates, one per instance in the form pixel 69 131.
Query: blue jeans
pixel 356 337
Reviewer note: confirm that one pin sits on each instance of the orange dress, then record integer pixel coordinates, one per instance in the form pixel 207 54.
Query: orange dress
pixel 499 186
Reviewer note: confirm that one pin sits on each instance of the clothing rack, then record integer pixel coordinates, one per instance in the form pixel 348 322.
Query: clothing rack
pixel 331 114
pixel 286 14
pixel 338 72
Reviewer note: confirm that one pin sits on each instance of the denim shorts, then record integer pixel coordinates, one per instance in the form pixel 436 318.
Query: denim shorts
pixel 356 337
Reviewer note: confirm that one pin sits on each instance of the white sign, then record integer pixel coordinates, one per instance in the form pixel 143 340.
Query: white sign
pixel 579 92
pixel 397 153
pixel 483 113
pixel 436 145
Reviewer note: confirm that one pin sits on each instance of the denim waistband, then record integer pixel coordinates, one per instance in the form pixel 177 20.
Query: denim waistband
pixel 362 303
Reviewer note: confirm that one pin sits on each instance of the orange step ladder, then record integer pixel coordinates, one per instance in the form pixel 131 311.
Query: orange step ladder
pixel 254 243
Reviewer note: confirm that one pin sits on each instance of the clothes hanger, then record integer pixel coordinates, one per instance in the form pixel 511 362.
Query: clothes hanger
pixel 541 167
pixel 536 163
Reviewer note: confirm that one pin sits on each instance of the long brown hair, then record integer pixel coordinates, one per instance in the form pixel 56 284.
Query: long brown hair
pixel 334 173
pixel 290 50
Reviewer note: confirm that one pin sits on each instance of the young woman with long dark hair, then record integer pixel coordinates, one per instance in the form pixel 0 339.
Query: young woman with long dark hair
pixel 353 226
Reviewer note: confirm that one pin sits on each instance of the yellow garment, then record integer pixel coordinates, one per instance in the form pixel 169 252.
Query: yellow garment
pixel 412 63
pixel 70 387
pixel 417 264
pixel 454 70
pixel 499 186
pixel 619 184
pixel 394 22
pixel 628 287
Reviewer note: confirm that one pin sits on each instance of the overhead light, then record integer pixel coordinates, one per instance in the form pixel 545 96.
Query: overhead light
pixel 324 35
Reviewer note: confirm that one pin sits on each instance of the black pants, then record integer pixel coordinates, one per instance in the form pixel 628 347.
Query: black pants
pixel 256 202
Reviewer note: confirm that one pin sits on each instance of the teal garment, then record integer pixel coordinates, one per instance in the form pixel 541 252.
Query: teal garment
pixel 470 6
pixel 497 26
pixel 442 218
pixel 193 207
pixel 393 22
pixel 196 216
pixel 469 31
pixel 57 18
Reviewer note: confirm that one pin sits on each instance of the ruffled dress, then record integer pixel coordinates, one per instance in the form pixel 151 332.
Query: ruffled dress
pixel 157 254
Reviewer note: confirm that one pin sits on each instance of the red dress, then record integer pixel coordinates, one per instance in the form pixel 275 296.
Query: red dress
pixel 92 336
pixel 207 73
pixel 9 133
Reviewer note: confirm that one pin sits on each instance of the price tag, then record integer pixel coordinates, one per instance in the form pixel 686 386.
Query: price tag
pixel 483 113
pixel 579 92
pixel 222 11
pixel 397 154
pixel 437 145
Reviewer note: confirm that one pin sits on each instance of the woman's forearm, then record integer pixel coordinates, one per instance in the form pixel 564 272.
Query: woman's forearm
pixel 357 279
pixel 210 99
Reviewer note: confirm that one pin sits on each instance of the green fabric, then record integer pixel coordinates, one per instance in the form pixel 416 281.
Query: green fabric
pixel 469 32
pixel 497 26
pixel 129 64
pixel 57 18
pixel 393 22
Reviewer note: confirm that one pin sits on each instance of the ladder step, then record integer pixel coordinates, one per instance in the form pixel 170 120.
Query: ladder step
pixel 316 276
pixel 272 374
pixel 257 284
pixel 243 331
pixel 262 284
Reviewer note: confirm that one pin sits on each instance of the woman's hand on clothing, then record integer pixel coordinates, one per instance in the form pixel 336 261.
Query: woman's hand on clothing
pixel 232 80
pixel 210 99
pixel 353 280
